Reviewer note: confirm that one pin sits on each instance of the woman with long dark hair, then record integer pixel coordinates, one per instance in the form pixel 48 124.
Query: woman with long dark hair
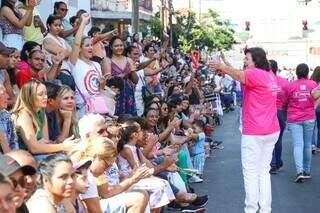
pixel 122 67
pixel 260 125
pixel 57 183
pixel 136 42
pixel 301 120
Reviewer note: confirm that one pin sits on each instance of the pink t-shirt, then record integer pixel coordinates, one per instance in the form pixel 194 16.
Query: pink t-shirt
pixel 300 101
pixel 282 83
pixel 259 112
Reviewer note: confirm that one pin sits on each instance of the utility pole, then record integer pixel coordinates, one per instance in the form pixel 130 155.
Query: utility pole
pixel 171 9
pixel 200 10
pixel 162 8
pixel 135 16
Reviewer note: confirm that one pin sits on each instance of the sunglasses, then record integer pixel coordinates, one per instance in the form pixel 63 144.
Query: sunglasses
pixel 20 182
pixel 102 131
pixel 64 10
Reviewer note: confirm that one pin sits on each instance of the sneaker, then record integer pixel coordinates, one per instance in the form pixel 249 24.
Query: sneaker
pixel 306 175
pixel 192 208
pixel 195 179
pixel 273 170
pixel 280 166
pixel 299 178
pixel 215 143
pixel 173 207
pixel 201 201
pixel 190 189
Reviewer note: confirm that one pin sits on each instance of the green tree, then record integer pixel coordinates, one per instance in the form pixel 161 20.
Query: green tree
pixel 219 34
pixel 213 32
pixel 153 27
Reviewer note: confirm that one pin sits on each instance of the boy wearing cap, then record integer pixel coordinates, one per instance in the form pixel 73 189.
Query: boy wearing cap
pixel 9 167
pixel 82 183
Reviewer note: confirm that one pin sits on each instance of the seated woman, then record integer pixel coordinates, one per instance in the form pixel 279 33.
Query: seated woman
pixel 131 158
pixel 31 123
pixel 12 22
pixel 115 198
pixel 67 103
pixel 57 179
pixel 55 46
pixel 167 140
pixel 7 192
pixel 7 76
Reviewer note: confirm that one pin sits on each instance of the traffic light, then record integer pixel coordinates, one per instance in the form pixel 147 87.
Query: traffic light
pixel 305 25
pixel 247 25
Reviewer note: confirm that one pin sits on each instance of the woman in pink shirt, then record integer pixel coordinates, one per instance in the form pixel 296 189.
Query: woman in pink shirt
pixel 260 126
pixel 276 162
pixel 316 140
pixel 301 120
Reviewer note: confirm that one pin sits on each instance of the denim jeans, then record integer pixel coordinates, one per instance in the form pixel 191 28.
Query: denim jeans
pixel 316 130
pixel 276 155
pixel 301 133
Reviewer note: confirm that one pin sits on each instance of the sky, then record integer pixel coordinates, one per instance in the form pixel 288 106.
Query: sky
pixel 271 20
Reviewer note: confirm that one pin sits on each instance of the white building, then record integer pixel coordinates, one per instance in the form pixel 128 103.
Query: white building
pixel 275 25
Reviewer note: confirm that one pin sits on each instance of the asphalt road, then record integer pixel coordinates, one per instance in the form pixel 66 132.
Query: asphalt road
pixel 224 181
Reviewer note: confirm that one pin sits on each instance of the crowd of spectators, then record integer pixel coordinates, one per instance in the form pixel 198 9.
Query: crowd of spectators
pixel 103 122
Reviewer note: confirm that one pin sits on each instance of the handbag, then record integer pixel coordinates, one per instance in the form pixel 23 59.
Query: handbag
pixel 96 103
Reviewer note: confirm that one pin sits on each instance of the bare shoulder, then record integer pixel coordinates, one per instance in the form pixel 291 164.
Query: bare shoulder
pixel 40 200
pixel 23 118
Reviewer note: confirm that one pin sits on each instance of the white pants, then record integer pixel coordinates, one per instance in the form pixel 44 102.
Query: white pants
pixel 256 155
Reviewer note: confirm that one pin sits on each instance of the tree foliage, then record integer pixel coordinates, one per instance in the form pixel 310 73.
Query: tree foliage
pixel 153 27
pixel 212 32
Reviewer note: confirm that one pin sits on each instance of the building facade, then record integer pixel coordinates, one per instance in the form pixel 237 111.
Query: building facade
pixel 118 13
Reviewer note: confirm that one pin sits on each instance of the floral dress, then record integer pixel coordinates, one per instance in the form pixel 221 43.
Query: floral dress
pixel 125 101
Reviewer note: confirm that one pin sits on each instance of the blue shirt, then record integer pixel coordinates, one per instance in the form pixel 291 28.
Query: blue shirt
pixel 198 147
pixel 53 127
pixel 8 129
